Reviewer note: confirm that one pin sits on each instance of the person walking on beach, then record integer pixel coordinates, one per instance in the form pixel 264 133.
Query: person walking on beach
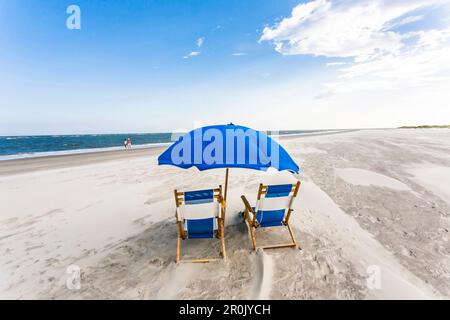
pixel 125 144
pixel 129 143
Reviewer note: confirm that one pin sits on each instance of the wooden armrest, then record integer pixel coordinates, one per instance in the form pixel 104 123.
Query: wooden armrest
pixel 247 204
pixel 177 215
pixel 223 206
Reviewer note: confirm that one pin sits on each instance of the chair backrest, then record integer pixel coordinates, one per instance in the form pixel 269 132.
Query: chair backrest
pixel 198 204
pixel 274 202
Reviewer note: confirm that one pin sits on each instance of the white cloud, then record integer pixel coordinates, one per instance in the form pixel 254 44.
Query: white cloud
pixel 331 64
pixel 383 58
pixel 192 54
pixel 424 63
pixel 358 29
pixel 407 20
pixel 238 54
pixel 200 42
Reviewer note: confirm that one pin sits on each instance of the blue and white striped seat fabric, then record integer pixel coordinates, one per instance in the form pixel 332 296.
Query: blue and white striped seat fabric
pixel 198 213
pixel 273 205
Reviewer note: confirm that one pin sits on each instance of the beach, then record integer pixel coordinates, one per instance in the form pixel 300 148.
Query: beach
pixel 371 202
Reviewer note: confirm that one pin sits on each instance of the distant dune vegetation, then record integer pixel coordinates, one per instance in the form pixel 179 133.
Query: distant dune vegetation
pixel 426 127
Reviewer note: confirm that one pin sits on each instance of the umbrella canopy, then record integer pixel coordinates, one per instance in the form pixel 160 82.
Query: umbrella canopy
pixel 227 146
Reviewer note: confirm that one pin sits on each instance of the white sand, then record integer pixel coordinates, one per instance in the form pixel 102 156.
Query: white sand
pixel 263 277
pixel 363 177
pixel 311 150
pixel 52 218
pixel 360 246
pixel 113 216
pixel 436 179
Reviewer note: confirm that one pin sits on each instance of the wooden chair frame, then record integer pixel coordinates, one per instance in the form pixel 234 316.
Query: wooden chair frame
pixel 253 223
pixel 219 233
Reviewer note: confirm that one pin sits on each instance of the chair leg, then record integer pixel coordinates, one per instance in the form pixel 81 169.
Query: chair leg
pixel 199 260
pixel 245 215
pixel 291 233
pixel 222 238
pixel 283 245
pixel 252 234
pixel 250 228
pixel 178 248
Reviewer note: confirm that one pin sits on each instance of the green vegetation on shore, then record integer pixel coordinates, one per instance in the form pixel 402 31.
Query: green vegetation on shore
pixel 426 127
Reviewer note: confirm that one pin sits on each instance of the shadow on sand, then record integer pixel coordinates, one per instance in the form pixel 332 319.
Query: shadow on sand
pixel 143 267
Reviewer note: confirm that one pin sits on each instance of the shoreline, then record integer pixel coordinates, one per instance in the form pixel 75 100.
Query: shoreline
pixel 26 165
pixel 40 154
pixel 66 160
pixel 44 154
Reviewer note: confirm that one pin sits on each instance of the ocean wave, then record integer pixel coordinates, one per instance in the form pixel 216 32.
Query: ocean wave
pixel 16 138
pixel 51 145
pixel 27 155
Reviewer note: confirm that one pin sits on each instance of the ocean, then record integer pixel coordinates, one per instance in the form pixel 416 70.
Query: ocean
pixel 14 147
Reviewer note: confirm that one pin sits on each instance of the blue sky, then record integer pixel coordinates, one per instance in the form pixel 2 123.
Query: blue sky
pixel 148 66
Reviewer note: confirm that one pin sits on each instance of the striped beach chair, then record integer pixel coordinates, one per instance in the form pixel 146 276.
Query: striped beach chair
pixel 273 209
pixel 200 215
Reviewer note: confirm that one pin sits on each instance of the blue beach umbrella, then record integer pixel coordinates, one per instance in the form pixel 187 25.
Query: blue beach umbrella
pixel 227 146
